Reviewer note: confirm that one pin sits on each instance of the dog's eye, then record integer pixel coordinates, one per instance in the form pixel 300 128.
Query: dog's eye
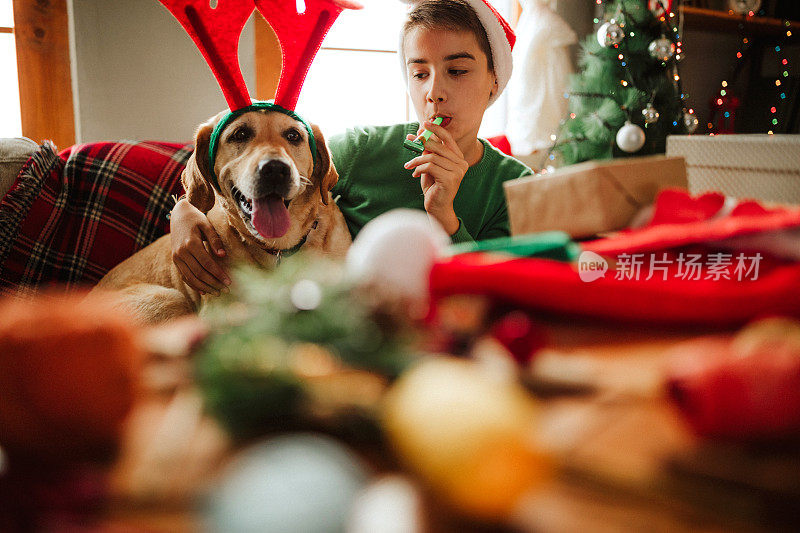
pixel 241 134
pixel 293 136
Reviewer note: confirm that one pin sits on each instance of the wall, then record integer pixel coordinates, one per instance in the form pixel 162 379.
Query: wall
pixel 138 74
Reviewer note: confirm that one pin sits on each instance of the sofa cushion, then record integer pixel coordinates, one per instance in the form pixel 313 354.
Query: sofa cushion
pixel 14 152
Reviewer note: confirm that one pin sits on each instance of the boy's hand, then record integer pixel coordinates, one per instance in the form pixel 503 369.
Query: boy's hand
pixel 190 230
pixel 441 167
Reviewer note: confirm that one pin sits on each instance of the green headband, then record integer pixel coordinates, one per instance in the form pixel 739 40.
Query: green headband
pixel 270 106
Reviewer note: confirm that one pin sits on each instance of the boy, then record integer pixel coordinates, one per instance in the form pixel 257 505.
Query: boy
pixel 456 57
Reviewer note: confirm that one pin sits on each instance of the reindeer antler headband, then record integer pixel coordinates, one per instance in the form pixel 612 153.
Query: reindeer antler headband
pixel 300 27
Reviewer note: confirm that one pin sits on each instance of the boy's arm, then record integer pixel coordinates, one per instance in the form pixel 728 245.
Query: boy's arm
pixel 461 234
pixel 189 231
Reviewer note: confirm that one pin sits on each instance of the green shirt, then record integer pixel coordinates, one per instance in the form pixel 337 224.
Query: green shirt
pixel 372 181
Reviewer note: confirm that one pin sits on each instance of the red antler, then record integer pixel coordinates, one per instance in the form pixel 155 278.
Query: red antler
pixel 216 33
pixel 300 36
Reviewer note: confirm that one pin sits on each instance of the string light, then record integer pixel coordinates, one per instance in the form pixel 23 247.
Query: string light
pixel 783 74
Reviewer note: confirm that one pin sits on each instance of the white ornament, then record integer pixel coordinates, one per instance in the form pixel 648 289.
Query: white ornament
pixel 294 482
pixel 691 122
pixel 662 49
pixel 610 33
pixel 743 7
pixel 630 138
pixel 650 114
pixel 395 251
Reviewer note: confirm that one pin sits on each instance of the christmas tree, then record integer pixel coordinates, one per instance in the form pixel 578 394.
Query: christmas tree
pixel 627 96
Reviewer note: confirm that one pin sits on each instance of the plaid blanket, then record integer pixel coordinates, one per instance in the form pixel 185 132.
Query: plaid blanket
pixel 71 217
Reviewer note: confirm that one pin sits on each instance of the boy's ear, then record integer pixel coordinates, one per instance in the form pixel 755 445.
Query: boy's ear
pixel 196 177
pixel 324 172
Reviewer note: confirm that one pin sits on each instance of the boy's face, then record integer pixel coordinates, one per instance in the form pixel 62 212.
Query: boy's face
pixel 448 76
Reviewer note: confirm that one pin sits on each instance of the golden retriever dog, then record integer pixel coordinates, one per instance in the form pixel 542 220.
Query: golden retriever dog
pixel 272 197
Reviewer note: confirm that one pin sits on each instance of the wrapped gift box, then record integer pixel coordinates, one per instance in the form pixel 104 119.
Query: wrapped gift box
pixel 758 167
pixel 591 197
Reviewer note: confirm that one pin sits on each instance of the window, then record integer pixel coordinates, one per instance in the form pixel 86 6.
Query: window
pixel 355 78
pixel 10 119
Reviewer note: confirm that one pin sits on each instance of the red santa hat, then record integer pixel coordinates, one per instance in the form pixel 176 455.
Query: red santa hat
pixel 501 41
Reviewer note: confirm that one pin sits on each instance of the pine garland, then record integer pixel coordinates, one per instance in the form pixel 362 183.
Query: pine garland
pixel 280 337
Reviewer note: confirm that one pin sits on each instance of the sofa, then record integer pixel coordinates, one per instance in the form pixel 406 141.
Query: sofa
pixel 14 152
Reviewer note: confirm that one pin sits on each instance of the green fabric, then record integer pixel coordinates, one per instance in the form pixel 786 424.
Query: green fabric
pixel 372 181
pixel 256 105
pixel 547 244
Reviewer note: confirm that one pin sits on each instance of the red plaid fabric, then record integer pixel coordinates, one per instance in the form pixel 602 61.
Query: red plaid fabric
pixel 71 217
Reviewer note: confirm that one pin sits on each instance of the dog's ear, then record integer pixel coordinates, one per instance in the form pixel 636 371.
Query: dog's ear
pixel 196 176
pixel 324 171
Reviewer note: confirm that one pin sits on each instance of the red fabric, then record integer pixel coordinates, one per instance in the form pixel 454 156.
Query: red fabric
pixel 71 217
pixel 300 36
pixel 680 220
pixel 547 285
pixel 510 35
pixel 216 33
pixel 501 143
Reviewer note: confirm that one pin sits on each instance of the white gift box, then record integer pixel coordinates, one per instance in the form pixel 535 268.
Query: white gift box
pixel 752 166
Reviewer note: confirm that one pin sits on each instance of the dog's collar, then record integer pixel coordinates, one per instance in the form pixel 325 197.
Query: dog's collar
pixel 213 143
pixel 291 251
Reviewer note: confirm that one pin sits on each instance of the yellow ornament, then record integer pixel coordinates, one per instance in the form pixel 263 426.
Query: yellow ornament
pixel 468 434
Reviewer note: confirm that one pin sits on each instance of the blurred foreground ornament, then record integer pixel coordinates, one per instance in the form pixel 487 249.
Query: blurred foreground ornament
pixel 630 138
pixel 291 483
pixel 747 389
pixel 69 374
pixel 520 335
pixel 394 252
pixel 392 504
pixel 468 433
pixel 610 33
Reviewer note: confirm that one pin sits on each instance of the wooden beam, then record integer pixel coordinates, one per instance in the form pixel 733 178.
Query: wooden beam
pixel 268 59
pixel 45 86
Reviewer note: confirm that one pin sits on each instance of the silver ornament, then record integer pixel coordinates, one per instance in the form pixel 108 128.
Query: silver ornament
pixel 609 34
pixel 690 121
pixel 630 138
pixel 743 7
pixel 662 49
pixel 650 114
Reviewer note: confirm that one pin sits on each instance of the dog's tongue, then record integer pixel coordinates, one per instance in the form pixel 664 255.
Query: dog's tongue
pixel 270 217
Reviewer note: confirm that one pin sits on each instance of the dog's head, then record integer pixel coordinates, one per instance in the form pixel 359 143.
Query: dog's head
pixel 268 179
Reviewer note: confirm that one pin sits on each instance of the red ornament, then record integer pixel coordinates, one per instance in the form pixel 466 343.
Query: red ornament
pixel 726 395
pixel 520 335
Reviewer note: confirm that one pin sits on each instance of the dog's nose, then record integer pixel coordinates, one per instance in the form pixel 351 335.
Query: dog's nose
pixel 273 170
